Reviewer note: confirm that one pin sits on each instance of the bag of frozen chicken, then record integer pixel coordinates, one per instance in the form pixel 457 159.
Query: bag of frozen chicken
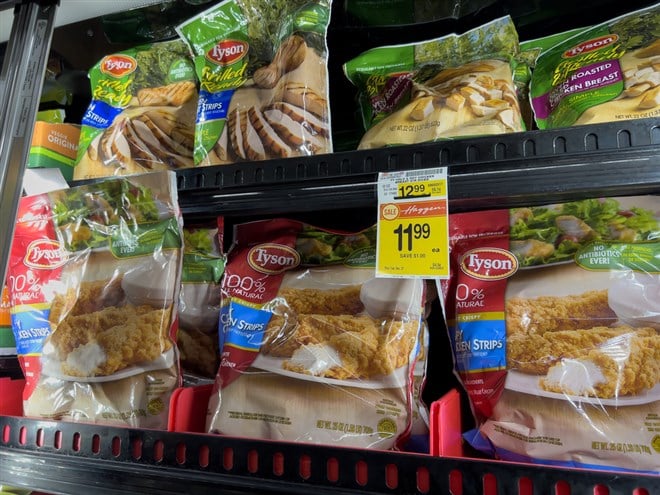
pixel 553 313
pixel 525 64
pixel 142 114
pixel 313 347
pixel 199 301
pixel 608 72
pixel 94 276
pixel 262 67
pixel 453 86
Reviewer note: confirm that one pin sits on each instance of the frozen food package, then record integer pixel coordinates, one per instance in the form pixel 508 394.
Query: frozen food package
pixel 553 315
pixel 199 299
pixel 525 64
pixel 7 341
pixel 453 86
pixel 419 440
pixel 263 73
pixel 94 276
pixel 142 114
pixel 314 348
pixel 607 72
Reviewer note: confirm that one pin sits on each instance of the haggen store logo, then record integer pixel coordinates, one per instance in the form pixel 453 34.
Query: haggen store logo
pixel 45 254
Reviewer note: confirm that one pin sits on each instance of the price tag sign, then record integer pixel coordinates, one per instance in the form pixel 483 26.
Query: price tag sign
pixel 413 232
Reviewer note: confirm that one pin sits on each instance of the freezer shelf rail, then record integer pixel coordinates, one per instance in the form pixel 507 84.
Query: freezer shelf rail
pixel 73 458
pixel 534 167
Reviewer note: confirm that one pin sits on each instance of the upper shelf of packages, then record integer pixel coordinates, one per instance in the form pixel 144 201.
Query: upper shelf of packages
pixel 259 162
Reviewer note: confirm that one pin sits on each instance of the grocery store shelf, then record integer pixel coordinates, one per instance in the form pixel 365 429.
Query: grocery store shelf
pixel 78 458
pixel 488 172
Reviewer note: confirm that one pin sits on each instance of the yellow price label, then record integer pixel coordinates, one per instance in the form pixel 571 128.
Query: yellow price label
pixel 423 189
pixel 412 234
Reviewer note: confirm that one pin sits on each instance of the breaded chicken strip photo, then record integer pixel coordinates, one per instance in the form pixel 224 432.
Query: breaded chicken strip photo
pixel 282 337
pixel 95 332
pixel 536 353
pixel 621 366
pixel 106 341
pixel 538 315
pixel 355 347
pixel 342 301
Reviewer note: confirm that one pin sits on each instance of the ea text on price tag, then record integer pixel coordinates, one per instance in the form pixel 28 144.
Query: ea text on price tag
pixel 412 239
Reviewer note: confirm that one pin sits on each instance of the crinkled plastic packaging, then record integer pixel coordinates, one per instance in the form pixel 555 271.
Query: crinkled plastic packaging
pixel 314 348
pixel 526 62
pixel 263 72
pixel 607 72
pixel 453 86
pixel 94 276
pixel 553 315
pixel 199 299
pixel 142 114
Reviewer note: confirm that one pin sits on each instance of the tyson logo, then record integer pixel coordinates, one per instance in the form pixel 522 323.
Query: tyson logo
pixel 591 45
pixel 227 52
pixel 489 263
pixel 45 253
pixel 273 258
pixel 118 65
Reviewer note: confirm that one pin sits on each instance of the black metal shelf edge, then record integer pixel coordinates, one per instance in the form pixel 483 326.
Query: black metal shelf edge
pixel 486 172
pixel 471 186
pixel 540 146
pixel 74 458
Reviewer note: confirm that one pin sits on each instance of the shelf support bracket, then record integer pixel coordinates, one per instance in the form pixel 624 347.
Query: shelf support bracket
pixel 21 81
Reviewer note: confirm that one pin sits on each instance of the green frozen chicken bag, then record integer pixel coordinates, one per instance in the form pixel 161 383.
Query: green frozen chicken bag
pixel 453 86
pixel 142 113
pixel 526 62
pixel 262 67
pixel 608 72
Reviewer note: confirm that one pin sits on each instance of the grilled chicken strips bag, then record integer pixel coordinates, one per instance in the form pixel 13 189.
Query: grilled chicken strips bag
pixel 457 85
pixel 554 314
pixel 314 348
pixel 142 114
pixel 94 275
pixel 264 82
pixel 608 72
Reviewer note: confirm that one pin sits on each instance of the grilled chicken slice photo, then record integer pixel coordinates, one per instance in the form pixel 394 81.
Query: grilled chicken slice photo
pixel 171 145
pixel 307 119
pixel 252 144
pixel 293 132
pixel 141 153
pixel 113 149
pixel 304 97
pixel 175 94
pixel 237 122
pixel 273 143
pixel 158 148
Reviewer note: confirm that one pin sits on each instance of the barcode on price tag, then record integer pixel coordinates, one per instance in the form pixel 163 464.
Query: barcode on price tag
pixel 412 238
